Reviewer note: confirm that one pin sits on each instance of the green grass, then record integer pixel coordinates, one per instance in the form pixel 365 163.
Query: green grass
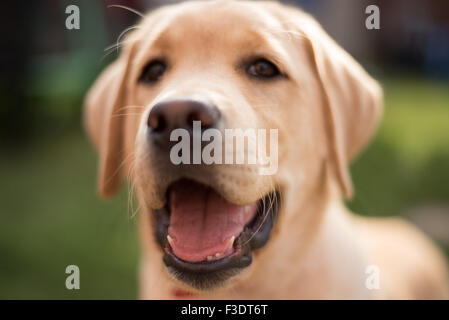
pixel 52 217
pixel 408 162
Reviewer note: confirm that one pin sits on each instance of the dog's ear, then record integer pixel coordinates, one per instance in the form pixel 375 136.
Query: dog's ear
pixel 104 126
pixel 352 99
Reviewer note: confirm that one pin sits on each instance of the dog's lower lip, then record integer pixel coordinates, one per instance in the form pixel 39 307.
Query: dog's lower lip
pixel 239 259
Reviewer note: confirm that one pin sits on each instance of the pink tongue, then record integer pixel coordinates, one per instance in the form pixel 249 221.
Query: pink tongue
pixel 202 223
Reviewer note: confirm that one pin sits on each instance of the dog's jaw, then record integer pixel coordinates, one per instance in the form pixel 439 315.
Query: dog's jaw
pixel 206 239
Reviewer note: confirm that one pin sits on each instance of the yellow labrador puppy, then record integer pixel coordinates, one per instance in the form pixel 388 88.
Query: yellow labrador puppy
pixel 224 230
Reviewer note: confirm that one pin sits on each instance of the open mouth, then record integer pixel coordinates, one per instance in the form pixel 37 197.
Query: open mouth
pixel 207 239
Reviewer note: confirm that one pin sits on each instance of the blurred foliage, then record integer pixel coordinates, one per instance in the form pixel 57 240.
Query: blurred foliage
pixel 52 217
pixel 408 162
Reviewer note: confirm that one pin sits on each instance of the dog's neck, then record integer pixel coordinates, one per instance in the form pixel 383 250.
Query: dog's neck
pixel 322 260
pixel 331 264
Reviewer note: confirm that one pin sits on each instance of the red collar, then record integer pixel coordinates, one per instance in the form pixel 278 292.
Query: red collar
pixel 180 293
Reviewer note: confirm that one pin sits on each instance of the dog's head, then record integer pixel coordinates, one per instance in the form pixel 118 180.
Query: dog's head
pixel 188 73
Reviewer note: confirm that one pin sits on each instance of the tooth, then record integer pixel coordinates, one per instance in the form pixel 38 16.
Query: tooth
pixel 217 255
pixel 170 240
pixel 230 243
pixel 210 258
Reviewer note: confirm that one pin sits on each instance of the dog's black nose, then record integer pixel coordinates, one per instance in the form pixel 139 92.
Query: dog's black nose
pixel 169 115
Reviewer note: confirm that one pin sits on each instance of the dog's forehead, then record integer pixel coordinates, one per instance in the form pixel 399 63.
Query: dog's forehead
pixel 224 22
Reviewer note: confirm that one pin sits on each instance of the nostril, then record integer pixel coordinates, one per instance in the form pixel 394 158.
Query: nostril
pixel 192 116
pixel 161 125
pixel 207 120
pixel 157 122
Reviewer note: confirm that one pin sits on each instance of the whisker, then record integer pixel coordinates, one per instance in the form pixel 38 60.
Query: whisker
pixel 115 45
pixel 129 107
pixel 130 191
pixel 131 196
pixel 272 198
pixel 106 54
pixel 125 114
pixel 118 168
pixel 130 200
pixel 118 43
pixel 127 8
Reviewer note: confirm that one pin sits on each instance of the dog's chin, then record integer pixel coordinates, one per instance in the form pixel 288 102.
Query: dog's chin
pixel 207 240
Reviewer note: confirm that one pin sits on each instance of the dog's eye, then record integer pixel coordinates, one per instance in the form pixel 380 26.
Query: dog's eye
pixel 153 71
pixel 263 68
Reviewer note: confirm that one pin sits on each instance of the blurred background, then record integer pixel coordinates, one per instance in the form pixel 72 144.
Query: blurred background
pixel 50 214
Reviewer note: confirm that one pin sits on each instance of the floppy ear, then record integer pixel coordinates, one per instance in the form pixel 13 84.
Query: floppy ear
pixel 104 127
pixel 352 99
